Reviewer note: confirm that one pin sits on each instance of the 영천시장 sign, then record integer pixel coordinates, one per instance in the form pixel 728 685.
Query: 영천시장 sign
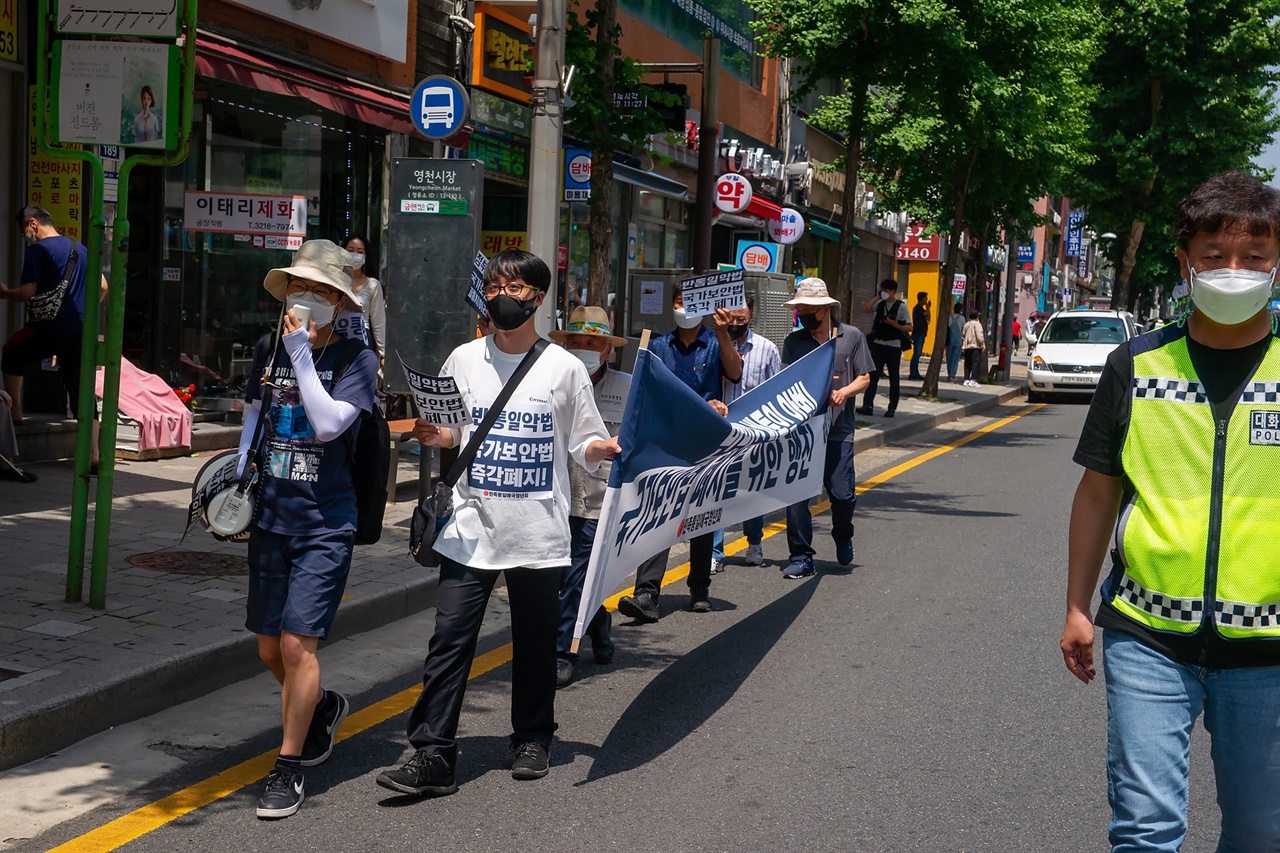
pixel 245 213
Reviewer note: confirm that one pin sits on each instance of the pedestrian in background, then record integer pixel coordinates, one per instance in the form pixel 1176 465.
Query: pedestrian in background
pixel 955 335
pixel 921 314
pixel 1017 335
pixel 704 361
pixel 892 323
pixel 510 515
pixel 369 324
pixel 1180 466
pixel 973 342
pixel 852 373
pixel 300 545
pixel 9 446
pixel 590 339
pixel 760 361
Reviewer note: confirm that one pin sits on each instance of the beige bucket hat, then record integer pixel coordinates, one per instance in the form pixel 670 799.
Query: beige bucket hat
pixel 321 261
pixel 811 291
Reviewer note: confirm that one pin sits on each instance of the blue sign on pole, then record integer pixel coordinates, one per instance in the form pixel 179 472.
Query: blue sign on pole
pixel 439 107
pixel 757 256
pixel 1026 253
pixel 577 174
pixel 1074 220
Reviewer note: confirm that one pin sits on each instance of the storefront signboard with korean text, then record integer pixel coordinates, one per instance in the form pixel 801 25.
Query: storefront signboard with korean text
pixel 918 247
pixel 577 174
pixel 55 184
pixel 788 227
pixel 245 213
pixel 9 30
pixel 501 114
pixel 502 156
pixel 503 51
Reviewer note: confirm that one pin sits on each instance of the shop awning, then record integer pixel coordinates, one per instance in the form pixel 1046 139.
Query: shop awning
pixel 827 232
pixel 224 62
pixel 651 181
pixel 763 208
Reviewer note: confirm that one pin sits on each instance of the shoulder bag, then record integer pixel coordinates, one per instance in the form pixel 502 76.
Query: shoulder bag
pixel 46 306
pixel 435 510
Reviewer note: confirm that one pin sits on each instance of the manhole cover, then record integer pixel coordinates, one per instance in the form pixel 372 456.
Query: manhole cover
pixel 191 563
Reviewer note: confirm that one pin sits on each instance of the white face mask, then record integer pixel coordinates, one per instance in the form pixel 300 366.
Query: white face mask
pixel 886 295
pixel 321 310
pixel 357 260
pixel 684 321
pixel 1231 297
pixel 588 357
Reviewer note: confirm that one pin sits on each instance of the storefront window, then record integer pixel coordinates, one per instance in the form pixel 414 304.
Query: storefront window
pixel 254 143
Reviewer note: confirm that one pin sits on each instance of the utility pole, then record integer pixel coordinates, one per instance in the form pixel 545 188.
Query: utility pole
pixel 1010 281
pixel 545 151
pixel 708 151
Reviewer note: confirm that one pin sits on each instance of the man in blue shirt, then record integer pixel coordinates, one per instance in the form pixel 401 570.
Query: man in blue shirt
pixel 55 314
pixel 703 361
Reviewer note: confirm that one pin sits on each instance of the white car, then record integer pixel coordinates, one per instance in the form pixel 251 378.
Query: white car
pixel 1071 350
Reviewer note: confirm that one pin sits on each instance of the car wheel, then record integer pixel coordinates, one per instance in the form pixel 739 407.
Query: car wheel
pixel 1035 397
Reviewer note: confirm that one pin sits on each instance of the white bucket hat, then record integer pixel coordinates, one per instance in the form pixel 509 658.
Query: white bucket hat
pixel 811 291
pixel 321 261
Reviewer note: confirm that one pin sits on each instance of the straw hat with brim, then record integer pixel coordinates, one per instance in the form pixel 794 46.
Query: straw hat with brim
pixel 588 320
pixel 811 291
pixel 321 261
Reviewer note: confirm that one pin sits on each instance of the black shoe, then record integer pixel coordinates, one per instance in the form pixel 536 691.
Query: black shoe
pixel 424 773
pixel 699 599
pixel 529 760
pixel 329 714
pixel 564 673
pixel 283 794
pixel 865 410
pixel 602 647
pixel 643 607
pixel 888 413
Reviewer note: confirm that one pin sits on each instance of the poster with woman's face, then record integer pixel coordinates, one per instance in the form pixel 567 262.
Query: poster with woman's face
pixel 142 96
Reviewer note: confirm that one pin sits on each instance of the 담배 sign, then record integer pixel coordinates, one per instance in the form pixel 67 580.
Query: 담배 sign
pixel 116 93
pixel 733 193
pixel 758 256
pixel 703 294
pixel 437 397
pixel 475 292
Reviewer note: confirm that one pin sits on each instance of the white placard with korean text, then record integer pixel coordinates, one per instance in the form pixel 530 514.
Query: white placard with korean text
pixel 703 294
pixel 437 397
pixel 245 213
pixel 113 93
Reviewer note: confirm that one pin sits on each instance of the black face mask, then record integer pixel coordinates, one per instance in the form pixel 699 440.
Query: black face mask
pixel 738 332
pixel 810 321
pixel 509 313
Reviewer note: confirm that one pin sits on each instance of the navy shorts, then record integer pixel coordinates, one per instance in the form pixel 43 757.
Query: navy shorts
pixel 296 582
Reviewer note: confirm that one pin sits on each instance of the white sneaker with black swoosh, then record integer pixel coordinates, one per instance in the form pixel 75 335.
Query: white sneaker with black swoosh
pixel 283 793
pixel 330 712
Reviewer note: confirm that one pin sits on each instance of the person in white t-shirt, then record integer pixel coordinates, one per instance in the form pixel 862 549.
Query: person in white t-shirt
pixel 510 515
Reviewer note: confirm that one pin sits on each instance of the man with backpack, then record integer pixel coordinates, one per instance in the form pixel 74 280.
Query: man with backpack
pixel 308 391
pixel 533 408
pixel 889 331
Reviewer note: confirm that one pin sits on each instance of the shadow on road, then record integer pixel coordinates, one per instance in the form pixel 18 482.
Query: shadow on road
pixel 685 694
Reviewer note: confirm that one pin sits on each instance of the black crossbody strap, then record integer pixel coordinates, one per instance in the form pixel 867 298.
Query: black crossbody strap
pixel 71 265
pixel 468 453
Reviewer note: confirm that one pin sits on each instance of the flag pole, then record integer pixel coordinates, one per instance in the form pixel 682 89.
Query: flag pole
pixel 644 345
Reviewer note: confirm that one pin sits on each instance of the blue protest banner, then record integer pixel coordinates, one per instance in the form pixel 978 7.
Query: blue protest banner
pixel 475 292
pixel 685 470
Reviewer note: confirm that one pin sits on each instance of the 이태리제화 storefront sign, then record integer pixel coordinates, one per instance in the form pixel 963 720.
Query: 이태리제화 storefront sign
pixel 244 213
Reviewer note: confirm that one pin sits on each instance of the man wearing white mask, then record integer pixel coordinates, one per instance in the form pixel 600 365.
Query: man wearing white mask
pixel 591 340
pixel 703 361
pixel 1181 451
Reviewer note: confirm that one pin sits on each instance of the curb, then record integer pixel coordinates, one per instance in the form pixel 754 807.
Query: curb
pixel 44 729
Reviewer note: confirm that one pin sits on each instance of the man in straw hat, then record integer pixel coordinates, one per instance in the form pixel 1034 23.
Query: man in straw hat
pixel 590 339
pixel 300 544
pixel 853 366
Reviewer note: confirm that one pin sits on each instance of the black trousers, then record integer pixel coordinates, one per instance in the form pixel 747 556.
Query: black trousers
pixel 460 605
pixel 582 533
pixel 887 359
pixel 649 575
pixel 28 347
pixel 971 363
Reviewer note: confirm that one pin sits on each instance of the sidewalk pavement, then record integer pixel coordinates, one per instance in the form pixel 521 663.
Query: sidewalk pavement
pixel 173 628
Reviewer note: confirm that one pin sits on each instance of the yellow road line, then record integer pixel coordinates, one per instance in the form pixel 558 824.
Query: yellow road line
pixel 152 816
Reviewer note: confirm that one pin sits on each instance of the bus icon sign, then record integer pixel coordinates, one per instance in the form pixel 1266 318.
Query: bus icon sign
pixel 439 107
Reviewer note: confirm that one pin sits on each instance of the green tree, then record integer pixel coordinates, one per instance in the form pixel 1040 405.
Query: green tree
pixel 997 117
pixel 591 47
pixel 1184 93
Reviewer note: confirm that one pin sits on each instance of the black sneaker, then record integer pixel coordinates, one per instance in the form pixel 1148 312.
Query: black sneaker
pixel 643 607
pixel 699 599
pixel 424 773
pixel 564 673
pixel 602 647
pixel 330 713
pixel 529 760
pixel 283 794
pixel 865 410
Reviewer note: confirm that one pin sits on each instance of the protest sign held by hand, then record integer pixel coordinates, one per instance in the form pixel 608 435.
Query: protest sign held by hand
pixel 437 397
pixel 703 294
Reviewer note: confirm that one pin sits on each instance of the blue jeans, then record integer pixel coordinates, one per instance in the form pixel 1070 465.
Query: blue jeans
pixel 1153 702
pixel 752 528
pixel 582 533
pixel 838 479
pixel 917 339
pixel 953 360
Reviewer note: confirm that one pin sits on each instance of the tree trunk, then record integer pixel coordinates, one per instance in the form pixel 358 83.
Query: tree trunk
pixel 939 355
pixel 600 221
pixel 1121 294
pixel 850 202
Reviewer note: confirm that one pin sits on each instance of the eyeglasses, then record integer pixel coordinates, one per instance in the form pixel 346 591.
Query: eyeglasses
pixel 512 289
pixel 324 291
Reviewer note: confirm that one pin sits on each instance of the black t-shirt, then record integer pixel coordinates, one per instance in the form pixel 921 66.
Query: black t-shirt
pixel 1223 373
